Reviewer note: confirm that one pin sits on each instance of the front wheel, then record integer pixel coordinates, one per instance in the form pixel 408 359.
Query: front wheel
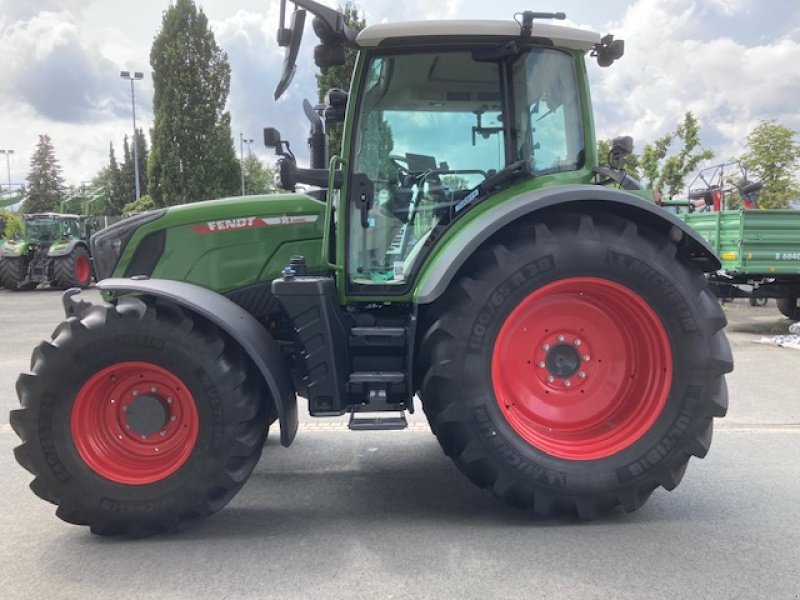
pixel 138 419
pixel 575 365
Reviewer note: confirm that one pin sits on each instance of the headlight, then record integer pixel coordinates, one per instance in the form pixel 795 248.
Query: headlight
pixel 109 243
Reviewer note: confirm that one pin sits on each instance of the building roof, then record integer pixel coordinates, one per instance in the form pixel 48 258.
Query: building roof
pixel 564 37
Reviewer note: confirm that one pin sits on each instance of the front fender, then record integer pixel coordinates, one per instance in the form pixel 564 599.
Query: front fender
pixel 13 249
pixel 236 322
pixel 443 264
pixel 58 249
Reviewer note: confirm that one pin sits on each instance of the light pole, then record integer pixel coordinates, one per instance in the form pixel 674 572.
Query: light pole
pixel 242 142
pixel 137 75
pixel 8 154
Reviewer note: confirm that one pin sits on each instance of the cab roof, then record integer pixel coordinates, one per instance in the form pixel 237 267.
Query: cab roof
pixel 388 34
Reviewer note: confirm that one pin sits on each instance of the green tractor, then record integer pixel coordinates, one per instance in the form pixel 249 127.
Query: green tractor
pixel 53 250
pixel 560 335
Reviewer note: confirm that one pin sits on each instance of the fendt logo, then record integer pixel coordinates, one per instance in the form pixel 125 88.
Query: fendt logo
pixel 253 223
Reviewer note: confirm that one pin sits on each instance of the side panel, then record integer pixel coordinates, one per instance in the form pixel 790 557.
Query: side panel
pixel 231 243
pixel 752 242
pixel 239 324
pixel 444 262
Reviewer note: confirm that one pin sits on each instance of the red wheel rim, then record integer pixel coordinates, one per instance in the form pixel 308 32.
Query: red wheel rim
pixel 582 368
pixel 102 431
pixel 82 268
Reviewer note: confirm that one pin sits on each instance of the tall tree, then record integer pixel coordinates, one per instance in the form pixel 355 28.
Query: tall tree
pixel 116 185
pixel 339 77
pixel 192 156
pixel 667 173
pixel 773 157
pixel 45 182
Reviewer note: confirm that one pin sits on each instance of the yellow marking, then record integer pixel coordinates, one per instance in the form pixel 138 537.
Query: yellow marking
pixel 729 256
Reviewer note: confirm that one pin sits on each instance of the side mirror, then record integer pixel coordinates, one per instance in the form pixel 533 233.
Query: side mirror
pixel 335 105
pixel 272 138
pixel 620 148
pixel 607 50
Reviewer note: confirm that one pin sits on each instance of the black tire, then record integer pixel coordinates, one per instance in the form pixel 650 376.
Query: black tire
pixel 788 308
pixel 758 301
pixel 457 349
pixel 231 416
pixel 73 270
pixel 12 273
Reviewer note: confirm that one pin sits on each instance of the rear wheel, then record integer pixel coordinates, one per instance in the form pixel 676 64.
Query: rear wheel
pixel 575 365
pixel 74 269
pixel 788 308
pixel 138 419
pixel 12 272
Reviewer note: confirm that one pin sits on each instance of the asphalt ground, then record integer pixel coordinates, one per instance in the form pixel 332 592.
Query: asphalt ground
pixel 345 514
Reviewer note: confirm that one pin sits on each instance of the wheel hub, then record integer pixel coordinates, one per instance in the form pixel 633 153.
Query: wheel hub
pixel 562 360
pixel 146 415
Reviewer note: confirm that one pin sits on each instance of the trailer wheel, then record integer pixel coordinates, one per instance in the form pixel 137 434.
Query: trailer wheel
pixel 575 365
pixel 12 272
pixel 74 269
pixel 788 308
pixel 138 419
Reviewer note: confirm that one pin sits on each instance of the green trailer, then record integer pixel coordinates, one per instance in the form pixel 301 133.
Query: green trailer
pixel 759 248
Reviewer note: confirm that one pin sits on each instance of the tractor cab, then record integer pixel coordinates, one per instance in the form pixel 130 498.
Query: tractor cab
pixel 440 117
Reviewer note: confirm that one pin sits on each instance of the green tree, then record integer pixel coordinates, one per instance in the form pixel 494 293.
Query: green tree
pixel 192 156
pixel 258 177
pixel 667 173
pixel 116 185
pixel 773 156
pixel 12 225
pixel 339 77
pixel 45 182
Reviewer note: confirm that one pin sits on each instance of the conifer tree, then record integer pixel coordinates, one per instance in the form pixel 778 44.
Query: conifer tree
pixel 192 156
pixel 45 183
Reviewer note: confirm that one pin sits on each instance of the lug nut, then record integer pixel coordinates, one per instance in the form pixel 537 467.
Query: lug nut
pixel 541 364
pixel 135 392
pixel 169 400
pixel 550 379
pixel 154 389
pixel 144 437
pixel 162 432
pixel 582 375
pixel 567 383
pixel 578 342
pixel 156 449
pixel 561 338
pixel 546 347
pixel 173 418
pixel 586 357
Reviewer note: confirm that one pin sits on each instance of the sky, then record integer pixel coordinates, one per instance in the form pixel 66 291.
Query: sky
pixel 732 62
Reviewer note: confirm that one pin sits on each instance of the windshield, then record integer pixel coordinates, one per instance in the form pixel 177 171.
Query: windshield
pixel 430 129
pixel 49 230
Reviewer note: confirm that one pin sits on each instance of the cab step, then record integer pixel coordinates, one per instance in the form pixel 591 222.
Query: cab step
pixel 376 423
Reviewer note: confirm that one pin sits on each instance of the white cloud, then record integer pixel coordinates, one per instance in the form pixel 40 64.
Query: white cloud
pixel 671 66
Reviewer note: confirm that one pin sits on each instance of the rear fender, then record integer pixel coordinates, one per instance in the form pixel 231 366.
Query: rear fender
pixel 236 322
pixel 443 265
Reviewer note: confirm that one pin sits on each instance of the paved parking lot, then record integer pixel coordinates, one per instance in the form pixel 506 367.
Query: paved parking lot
pixel 385 515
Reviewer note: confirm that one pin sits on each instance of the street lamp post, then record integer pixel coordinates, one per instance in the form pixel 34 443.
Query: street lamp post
pixel 8 154
pixel 242 142
pixel 137 75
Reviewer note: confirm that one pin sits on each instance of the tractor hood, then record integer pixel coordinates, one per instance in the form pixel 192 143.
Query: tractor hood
pixel 221 244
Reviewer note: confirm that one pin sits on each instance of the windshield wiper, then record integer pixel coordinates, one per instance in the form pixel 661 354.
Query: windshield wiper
pixel 502 178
